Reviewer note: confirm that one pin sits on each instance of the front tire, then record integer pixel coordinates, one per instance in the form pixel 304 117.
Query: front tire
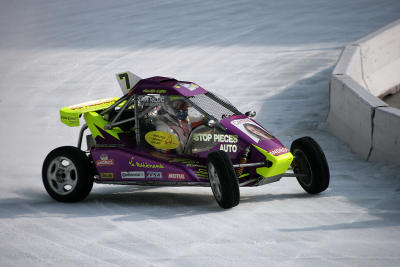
pixel 309 159
pixel 224 183
pixel 66 174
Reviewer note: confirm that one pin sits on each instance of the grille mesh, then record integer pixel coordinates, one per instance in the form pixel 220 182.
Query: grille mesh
pixel 214 105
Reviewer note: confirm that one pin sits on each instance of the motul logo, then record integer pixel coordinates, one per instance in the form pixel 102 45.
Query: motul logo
pixel 176 176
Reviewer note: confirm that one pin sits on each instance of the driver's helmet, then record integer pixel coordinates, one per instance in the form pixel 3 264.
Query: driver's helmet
pixel 179 107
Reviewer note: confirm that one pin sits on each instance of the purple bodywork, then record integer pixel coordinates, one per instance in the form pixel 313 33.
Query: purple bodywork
pixel 123 161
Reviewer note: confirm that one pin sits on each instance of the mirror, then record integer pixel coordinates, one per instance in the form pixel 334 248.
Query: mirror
pixel 211 123
pixel 250 114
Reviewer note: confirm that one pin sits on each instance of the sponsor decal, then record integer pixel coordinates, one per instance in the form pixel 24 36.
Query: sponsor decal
pixel 252 129
pixel 104 161
pixel 225 138
pixel 220 138
pixel 202 137
pixel 151 100
pixel 229 140
pixel 162 140
pixel 107 175
pixel 228 148
pixel 92 103
pixel 151 174
pixel 147 165
pixel 184 161
pixel 278 151
pixel 189 86
pixel 241 121
pixel 72 119
pixel 154 91
pixel 202 173
pixel 176 176
pixel 187 162
pixel 132 175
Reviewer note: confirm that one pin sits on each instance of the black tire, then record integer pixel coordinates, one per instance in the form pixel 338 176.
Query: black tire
pixel 223 181
pixel 66 174
pixel 310 159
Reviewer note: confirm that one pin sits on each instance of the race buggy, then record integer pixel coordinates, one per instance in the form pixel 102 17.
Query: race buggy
pixel 164 132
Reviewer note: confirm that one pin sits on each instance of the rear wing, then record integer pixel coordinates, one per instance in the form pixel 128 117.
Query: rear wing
pixel 70 115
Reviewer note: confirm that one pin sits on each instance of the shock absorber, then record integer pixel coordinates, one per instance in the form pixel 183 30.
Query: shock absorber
pixel 242 160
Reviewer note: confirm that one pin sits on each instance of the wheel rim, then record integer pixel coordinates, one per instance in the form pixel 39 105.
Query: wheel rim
pixel 62 175
pixel 214 181
pixel 303 167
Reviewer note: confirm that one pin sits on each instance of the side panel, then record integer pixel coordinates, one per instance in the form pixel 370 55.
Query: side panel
pixel 131 164
pixel 205 140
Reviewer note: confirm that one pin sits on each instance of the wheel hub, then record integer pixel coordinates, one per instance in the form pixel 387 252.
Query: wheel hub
pixel 302 166
pixel 60 176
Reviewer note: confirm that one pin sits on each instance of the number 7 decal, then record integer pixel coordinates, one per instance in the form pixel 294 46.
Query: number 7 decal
pixel 126 77
pixel 127 80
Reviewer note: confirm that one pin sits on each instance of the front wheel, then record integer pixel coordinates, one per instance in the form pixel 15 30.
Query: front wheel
pixel 223 181
pixel 66 174
pixel 310 164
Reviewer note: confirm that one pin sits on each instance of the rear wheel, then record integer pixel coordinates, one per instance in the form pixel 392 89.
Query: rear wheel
pixel 223 181
pixel 311 165
pixel 66 174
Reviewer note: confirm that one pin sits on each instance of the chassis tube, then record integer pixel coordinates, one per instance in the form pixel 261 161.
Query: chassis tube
pixel 137 124
pixel 83 129
pixel 249 165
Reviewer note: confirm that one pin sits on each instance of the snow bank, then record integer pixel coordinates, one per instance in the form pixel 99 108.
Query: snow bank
pixel 365 71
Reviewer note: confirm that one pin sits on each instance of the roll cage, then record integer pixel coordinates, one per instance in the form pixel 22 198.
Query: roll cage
pixel 201 103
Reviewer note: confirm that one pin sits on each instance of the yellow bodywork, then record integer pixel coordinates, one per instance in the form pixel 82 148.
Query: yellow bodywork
pixel 70 115
pixel 95 122
pixel 162 140
pixel 280 163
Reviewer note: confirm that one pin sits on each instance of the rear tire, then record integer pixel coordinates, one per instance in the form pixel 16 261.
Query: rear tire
pixel 310 159
pixel 66 174
pixel 224 183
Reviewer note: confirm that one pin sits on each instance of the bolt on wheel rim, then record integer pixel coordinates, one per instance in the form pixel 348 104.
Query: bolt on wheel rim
pixel 214 181
pixel 62 175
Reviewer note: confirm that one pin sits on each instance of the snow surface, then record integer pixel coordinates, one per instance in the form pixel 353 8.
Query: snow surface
pixel 271 56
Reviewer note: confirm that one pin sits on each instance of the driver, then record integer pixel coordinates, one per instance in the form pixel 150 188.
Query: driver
pixel 173 117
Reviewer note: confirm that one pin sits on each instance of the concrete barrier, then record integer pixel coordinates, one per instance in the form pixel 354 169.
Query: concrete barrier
pixel 386 135
pixel 380 52
pixel 351 113
pixel 366 70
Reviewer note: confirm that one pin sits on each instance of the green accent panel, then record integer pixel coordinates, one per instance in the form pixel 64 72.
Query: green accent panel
pixel 94 119
pixel 70 115
pixel 244 175
pixel 175 97
pixel 280 163
pixel 70 119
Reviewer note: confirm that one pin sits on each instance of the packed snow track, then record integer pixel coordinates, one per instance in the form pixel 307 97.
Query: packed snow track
pixel 274 57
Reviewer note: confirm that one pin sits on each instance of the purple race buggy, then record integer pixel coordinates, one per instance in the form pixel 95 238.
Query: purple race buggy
pixel 164 132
